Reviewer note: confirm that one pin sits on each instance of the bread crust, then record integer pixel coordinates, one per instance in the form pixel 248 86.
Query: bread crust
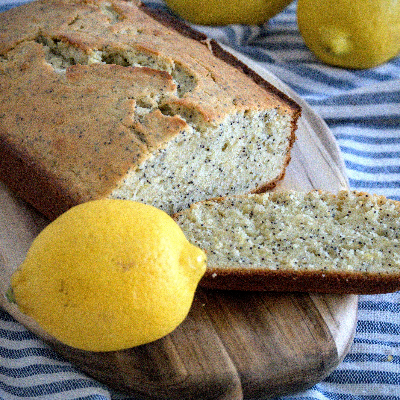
pixel 295 281
pixel 186 30
pixel 82 171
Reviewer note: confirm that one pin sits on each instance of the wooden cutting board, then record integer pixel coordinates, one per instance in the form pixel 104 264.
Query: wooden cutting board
pixel 232 345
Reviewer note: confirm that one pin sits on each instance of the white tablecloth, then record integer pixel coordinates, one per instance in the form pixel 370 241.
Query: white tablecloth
pixel 362 108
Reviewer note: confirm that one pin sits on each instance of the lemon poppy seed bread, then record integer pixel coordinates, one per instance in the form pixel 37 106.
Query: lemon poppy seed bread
pixel 106 99
pixel 294 241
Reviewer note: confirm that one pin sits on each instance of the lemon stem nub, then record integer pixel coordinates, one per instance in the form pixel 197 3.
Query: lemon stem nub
pixel 10 296
pixel 336 42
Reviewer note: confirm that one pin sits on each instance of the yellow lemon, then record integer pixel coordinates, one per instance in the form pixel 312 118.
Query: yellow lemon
pixel 355 34
pixel 222 12
pixel 109 275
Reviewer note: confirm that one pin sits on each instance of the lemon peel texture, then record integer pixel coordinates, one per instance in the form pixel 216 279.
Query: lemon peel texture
pixel 109 275
pixel 222 12
pixel 355 34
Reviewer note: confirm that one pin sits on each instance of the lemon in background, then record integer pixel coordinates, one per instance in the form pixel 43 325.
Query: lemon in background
pixel 355 34
pixel 225 12
pixel 109 275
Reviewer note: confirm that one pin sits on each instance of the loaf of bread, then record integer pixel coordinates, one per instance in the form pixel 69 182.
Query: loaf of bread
pixel 294 241
pixel 109 99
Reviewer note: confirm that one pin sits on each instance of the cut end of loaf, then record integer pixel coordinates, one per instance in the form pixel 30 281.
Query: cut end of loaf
pixel 315 241
pixel 237 156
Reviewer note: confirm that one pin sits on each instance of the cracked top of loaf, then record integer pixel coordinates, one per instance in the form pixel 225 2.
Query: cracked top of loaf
pixel 71 72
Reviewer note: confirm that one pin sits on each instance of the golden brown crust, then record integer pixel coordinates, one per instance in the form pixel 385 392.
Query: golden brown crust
pixel 72 136
pixel 219 52
pixel 83 156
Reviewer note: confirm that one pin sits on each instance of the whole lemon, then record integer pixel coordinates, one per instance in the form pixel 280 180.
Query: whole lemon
pixel 109 275
pixel 355 34
pixel 222 12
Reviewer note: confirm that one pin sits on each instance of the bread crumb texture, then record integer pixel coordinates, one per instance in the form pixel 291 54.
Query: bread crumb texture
pixel 295 231
pixel 106 101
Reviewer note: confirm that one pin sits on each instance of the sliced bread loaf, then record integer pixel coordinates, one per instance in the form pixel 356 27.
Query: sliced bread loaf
pixel 108 99
pixel 294 241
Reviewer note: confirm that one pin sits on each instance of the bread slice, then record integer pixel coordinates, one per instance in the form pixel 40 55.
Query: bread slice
pixel 108 99
pixel 294 241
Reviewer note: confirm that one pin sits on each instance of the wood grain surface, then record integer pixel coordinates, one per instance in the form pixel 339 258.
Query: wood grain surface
pixel 232 345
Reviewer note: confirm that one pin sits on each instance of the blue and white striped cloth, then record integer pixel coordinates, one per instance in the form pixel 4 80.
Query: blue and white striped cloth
pixel 362 108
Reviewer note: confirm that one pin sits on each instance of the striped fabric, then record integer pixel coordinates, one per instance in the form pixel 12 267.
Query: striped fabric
pixel 362 108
